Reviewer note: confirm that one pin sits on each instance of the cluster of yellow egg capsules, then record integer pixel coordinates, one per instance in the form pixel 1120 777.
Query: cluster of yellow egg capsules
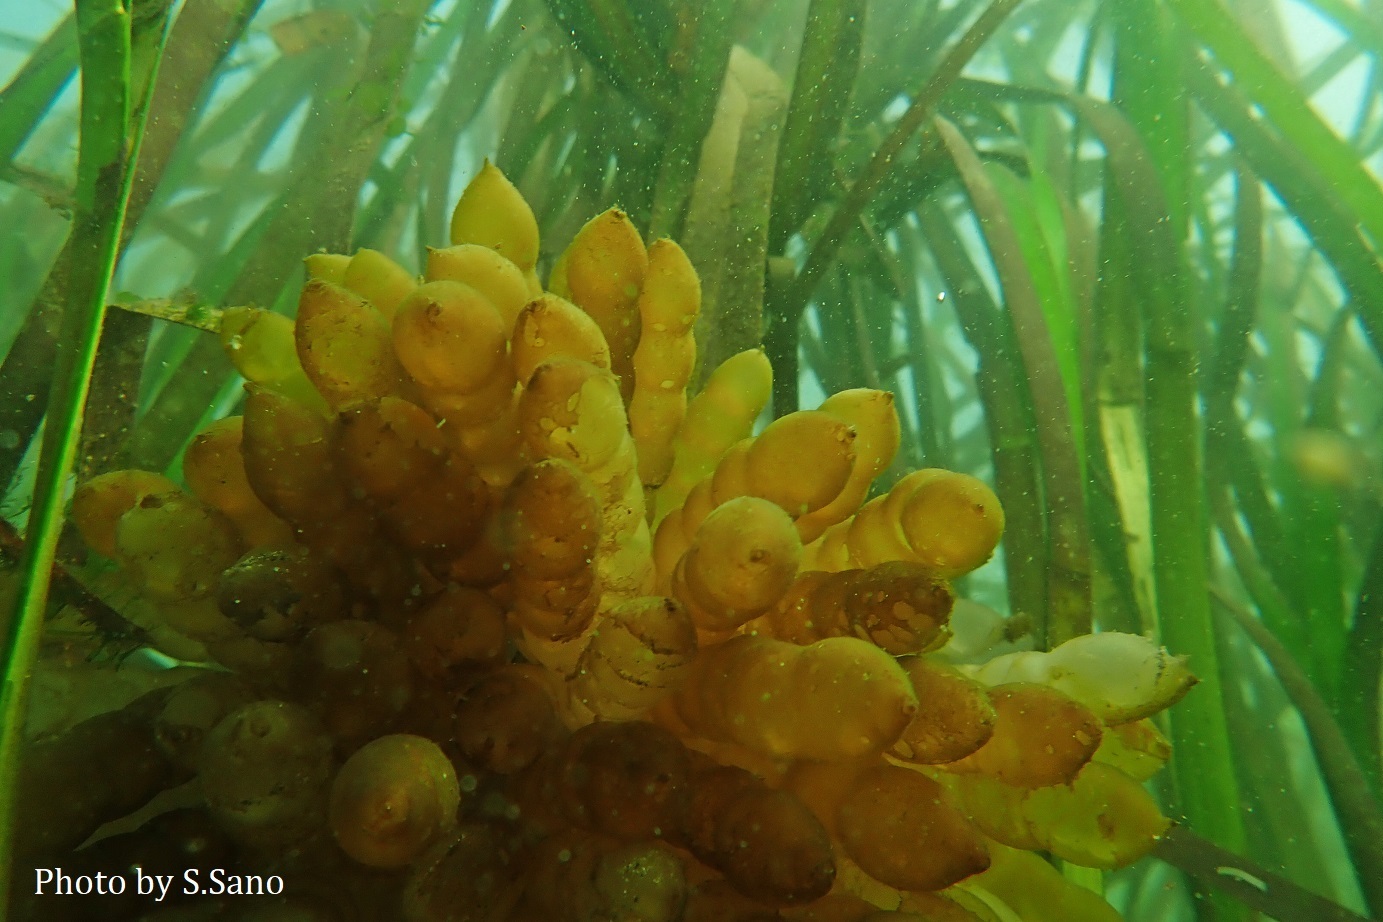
pixel 506 626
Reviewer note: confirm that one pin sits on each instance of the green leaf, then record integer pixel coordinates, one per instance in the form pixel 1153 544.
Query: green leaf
pixel 1069 588
pixel 110 139
pixel 25 102
pixel 1286 109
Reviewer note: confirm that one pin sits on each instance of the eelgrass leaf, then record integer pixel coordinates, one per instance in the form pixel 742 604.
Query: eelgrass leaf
pixel 1069 584
pixel 25 101
pixel 112 120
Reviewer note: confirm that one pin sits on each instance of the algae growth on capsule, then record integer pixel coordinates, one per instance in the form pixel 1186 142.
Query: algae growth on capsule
pixel 518 622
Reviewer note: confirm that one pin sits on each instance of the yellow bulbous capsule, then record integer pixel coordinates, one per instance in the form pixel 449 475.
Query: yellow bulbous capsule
pixel 571 410
pixel 722 414
pixel 329 267
pixel 1041 738
pixel 449 337
pixel 550 326
pixel 775 460
pixel 605 267
pixel 343 345
pixel 834 700
pixel 743 559
pixel 485 270
pixel 261 346
pixel 874 418
pixel 493 213
pixel 379 280
pixel 668 307
pixel 952 523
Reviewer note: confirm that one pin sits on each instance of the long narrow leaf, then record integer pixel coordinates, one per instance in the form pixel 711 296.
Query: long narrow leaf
pixel 112 122
pixel 1069 585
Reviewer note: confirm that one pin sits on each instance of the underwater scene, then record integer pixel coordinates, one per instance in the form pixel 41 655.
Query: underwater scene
pixel 691 460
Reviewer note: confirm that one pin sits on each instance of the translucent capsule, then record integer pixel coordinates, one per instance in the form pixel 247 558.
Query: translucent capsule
pixel 1102 819
pixel 98 504
pixel 175 546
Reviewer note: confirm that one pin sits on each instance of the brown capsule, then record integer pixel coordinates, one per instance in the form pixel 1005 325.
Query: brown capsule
pixel 715 900
pixel 550 520
pixel 444 515
pixel 354 675
pixel 507 718
pixel 275 594
pixel 461 626
pixel 472 875
pixel 386 446
pixel 264 773
pixel 901 828
pixel 954 714
pixel 289 461
pixel 214 469
pixel 392 799
pixel 97 771
pixel 1041 737
pixel 766 842
pixel 627 780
